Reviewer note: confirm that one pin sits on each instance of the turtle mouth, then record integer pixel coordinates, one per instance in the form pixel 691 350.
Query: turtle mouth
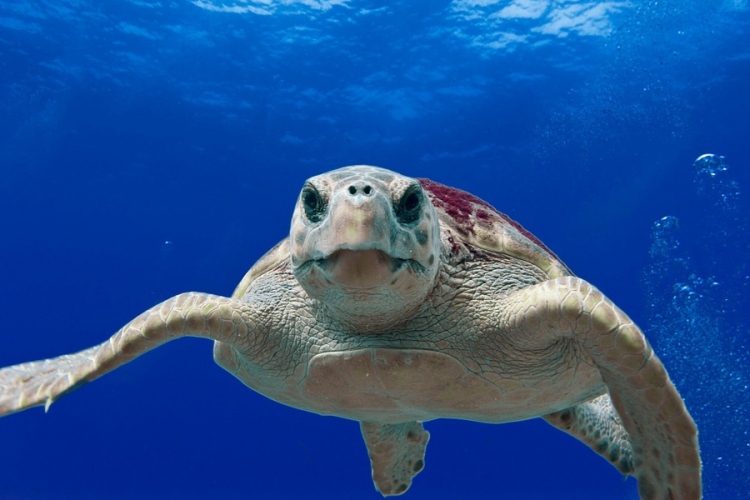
pixel 361 268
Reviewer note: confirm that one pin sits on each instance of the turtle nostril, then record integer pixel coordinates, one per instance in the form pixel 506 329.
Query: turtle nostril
pixel 359 188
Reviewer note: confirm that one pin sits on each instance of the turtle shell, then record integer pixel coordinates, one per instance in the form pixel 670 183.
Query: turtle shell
pixel 479 224
pixel 275 258
pixel 462 215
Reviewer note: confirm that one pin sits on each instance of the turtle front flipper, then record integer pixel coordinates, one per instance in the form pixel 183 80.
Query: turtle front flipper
pixel 188 314
pixel 396 454
pixel 597 424
pixel 664 439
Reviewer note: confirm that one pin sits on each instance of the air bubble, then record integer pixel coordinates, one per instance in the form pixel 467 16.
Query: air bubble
pixel 714 181
pixel 697 291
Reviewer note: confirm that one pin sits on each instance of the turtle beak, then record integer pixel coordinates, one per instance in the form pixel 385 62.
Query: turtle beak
pixel 351 249
pixel 360 268
pixel 358 254
pixel 359 224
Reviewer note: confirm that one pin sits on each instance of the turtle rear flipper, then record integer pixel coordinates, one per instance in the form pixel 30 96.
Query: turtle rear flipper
pixel 396 454
pixel 597 424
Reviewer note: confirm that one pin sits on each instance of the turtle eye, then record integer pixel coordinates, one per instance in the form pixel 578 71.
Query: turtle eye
pixel 409 207
pixel 313 203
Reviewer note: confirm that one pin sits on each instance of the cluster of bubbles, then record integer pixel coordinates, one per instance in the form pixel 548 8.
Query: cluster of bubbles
pixel 714 181
pixel 698 305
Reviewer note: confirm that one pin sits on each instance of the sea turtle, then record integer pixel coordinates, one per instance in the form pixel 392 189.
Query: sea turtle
pixel 396 300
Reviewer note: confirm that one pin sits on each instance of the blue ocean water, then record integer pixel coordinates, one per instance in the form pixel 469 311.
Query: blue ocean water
pixel 149 148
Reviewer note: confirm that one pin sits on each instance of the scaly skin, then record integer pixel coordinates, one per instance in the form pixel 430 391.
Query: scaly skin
pixel 189 314
pixel 396 452
pixel 391 304
pixel 662 434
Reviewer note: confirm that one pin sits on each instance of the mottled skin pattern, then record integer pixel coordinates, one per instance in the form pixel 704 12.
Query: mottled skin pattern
pixel 396 301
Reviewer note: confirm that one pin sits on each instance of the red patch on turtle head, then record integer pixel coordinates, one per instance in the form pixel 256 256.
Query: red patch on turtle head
pixel 461 206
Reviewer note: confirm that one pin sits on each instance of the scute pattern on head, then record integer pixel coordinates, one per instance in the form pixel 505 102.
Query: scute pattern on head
pixel 306 244
pixel 479 223
pixel 365 241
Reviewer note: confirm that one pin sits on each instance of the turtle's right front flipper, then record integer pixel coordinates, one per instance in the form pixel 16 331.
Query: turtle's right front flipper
pixel 188 314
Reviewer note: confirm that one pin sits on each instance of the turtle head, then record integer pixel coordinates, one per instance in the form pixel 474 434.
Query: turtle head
pixel 365 242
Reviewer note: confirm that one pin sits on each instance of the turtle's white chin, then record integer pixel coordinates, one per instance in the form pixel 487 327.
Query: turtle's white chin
pixel 368 289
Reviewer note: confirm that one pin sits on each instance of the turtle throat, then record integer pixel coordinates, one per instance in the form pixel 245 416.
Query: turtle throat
pixel 367 289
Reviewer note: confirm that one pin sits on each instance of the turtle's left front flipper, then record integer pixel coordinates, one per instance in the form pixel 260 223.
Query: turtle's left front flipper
pixel 664 438
pixel 396 454
pixel 188 314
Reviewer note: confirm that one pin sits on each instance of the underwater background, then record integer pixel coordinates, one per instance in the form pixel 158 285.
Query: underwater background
pixel 149 148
